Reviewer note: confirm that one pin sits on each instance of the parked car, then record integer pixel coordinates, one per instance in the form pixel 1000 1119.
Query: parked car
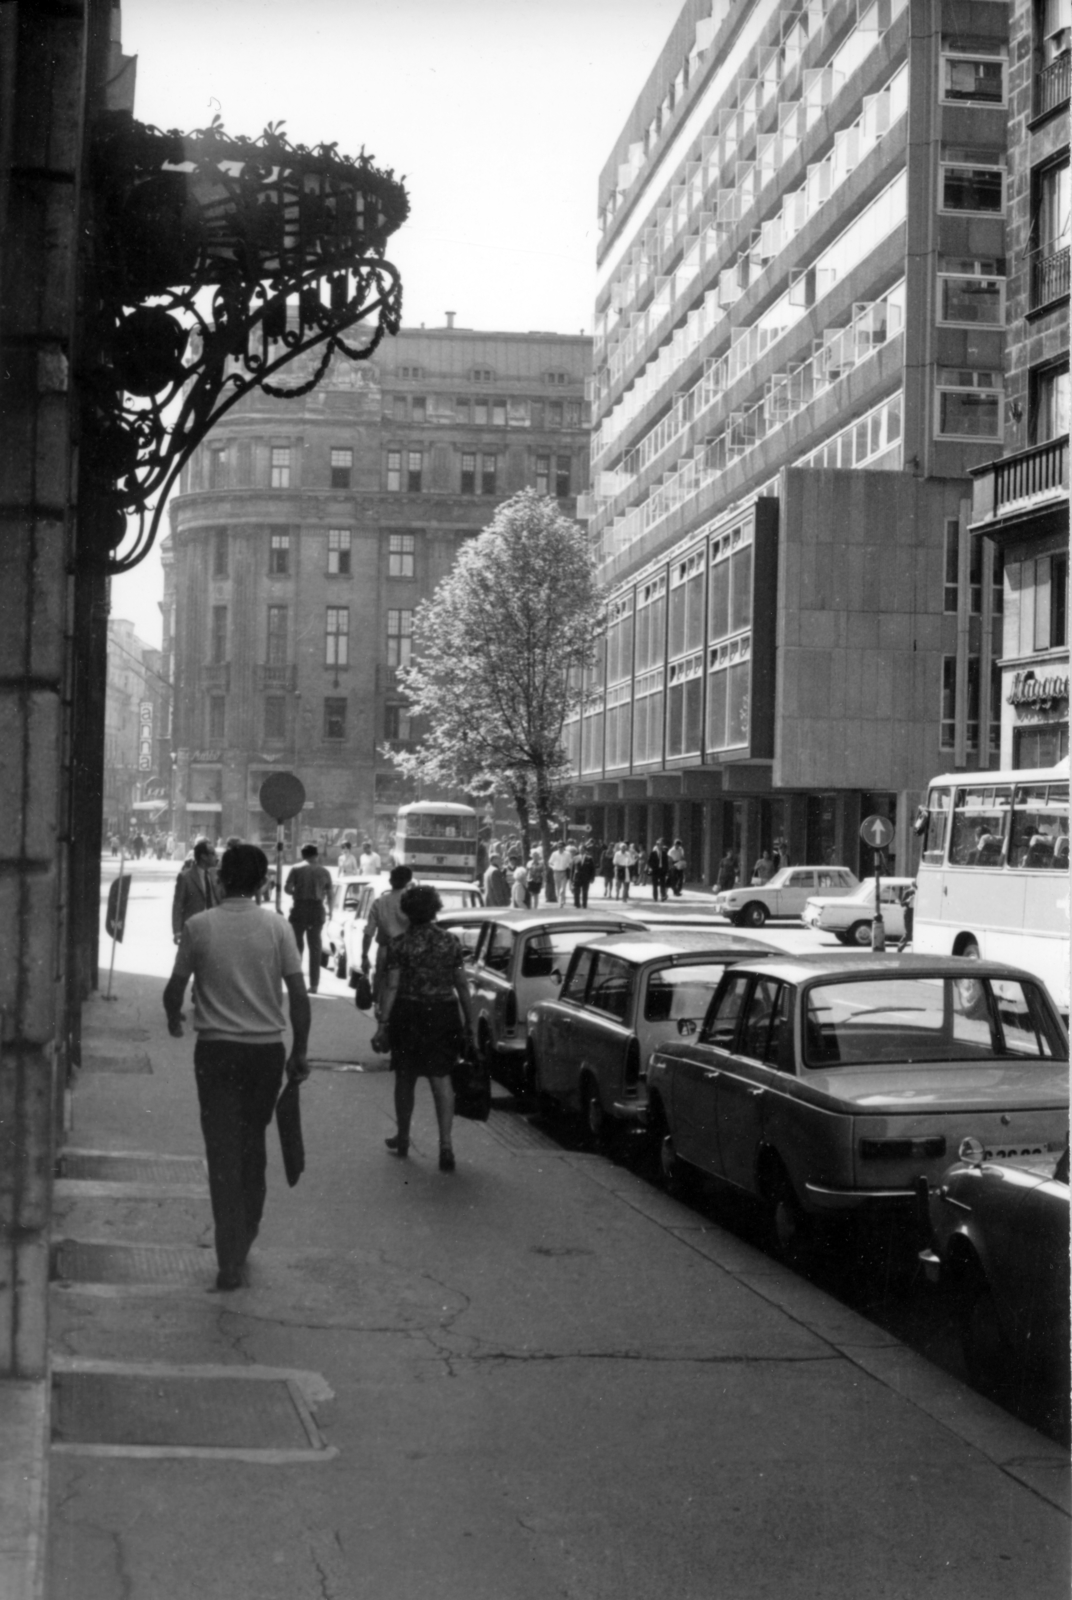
pixel 455 893
pixel 785 895
pixel 998 1227
pixel 828 1085
pixel 623 995
pixel 467 926
pixel 345 897
pixel 849 916
pixel 520 958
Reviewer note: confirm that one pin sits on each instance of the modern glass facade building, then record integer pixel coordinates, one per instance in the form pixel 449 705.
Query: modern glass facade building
pixel 800 325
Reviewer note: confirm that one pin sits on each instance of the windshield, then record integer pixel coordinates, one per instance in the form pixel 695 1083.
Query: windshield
pixel 907 1019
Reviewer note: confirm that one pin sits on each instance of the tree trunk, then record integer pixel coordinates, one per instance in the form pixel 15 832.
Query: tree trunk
pixel 543 819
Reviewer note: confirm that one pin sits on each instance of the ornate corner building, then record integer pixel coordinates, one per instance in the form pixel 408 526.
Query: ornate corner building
pixel 304 535
pixel 802 304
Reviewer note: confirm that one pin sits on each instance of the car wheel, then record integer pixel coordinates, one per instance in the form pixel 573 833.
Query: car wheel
pixel 754 914
pixel 859 933
pixel 790 1228
pixel 988 1355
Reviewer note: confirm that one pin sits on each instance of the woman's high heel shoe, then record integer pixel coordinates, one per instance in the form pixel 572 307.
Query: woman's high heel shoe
pixel 397 1145
pixel 446 1160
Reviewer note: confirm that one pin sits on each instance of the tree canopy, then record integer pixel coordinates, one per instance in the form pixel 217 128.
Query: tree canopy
pixel 500 653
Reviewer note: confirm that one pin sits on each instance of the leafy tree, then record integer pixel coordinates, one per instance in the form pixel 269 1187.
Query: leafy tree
pixel 501 649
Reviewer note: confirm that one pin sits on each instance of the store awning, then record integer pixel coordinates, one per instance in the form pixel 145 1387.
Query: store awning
pixel 204 805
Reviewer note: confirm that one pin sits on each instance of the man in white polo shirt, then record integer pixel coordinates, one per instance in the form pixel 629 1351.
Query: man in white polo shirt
pixel 240 955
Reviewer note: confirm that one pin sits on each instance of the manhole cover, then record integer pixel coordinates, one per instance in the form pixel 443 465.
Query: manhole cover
pixel 80 1261
pixel 517 1133
pixel 213 1413
pixel 112 1061
pixel 92 1167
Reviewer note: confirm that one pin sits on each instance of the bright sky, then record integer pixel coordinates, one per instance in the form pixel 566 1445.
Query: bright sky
pixel 500 115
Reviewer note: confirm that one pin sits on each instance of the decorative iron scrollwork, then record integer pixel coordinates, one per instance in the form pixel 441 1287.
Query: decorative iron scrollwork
pixel 218 260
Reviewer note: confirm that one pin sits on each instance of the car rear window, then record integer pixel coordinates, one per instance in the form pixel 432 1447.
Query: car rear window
pixel 546 952
pixel 907 1019
pixel 611 986
pixel 352 896
pixel 468 936
pixel 676 992
pixel 577 977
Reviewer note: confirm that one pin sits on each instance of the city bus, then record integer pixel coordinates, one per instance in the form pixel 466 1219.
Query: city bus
pixel 436 839
pixel 993 878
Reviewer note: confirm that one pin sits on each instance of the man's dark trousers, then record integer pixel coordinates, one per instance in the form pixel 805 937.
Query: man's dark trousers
pixel 307 918
pixel 237 1088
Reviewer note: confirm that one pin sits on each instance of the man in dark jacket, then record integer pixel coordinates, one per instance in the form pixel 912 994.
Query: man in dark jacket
pixel 583 875
pixel 659 870
pixel 310 888
pixel 195 888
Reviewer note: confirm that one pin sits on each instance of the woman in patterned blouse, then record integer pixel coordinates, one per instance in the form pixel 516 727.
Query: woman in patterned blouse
pixel 426 1010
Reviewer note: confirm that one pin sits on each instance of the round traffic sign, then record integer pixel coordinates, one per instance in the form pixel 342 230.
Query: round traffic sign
pixel 876 831
pixel 282 795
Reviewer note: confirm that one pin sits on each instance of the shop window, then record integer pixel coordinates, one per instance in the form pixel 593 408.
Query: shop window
pixel 335 718
pixel 400 555
pixel 975 79
pixel 342 463
pixel 339 552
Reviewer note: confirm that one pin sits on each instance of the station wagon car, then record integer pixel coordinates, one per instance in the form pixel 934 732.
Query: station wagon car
pixel 998 1224
pixel 519 958
pixel 455 893
pixel 786 894
pixel 624 994
pixel 829 1085
pixel 345 898
pixel 849 917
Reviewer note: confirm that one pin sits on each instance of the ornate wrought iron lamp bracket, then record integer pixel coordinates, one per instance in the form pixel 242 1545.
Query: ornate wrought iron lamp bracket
pixel 218 261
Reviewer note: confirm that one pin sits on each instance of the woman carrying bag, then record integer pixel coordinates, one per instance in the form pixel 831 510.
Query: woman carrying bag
pixel 426 1013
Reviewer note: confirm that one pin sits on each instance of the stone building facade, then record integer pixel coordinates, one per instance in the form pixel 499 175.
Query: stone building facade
pixel 798 358
pixel 1021 498
pixel 305 534
pixel 135 717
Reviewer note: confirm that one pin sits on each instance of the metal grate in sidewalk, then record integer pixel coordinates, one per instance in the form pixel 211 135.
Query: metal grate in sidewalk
pixel 517 1132
pixel 106 1060
pixel 191 1412
pixel 150 1265
pixel 92 1166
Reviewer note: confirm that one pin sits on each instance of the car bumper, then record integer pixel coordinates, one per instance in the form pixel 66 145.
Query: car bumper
pixel 821 1197
pixel 632 1111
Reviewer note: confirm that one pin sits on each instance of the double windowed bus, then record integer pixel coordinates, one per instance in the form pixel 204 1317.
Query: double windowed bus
pixel 436 839
pixel 993 879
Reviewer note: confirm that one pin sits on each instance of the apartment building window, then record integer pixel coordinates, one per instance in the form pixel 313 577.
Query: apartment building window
pixel 279 555
pixel 400 555
pixel 562 477
pixel 401 408
pixel 480 413
pixel 275 717
pixel 947 728
pixel 399 638
pixel 220 553
pixel 461 412
pixel 952 566
pixel 414 461
pixel 969 403
pixel 396 722
pixel 420 409
pixel 394 469
pixel 498 413
pixel 1049 399
pixel 1054 31
pixel 729 650
pixel 339 552
pixel 411 372
pixel 468 473
pixel 974 185
pixel 558 377
pixel 337 636
pixel 543 474
pixel 335 718
pixel 483 375
pixel 555 413
pixel 342 464
pixel 488 473
pixel 1051 193
pixel 971 293
pixel 1043 588
pixel 976 79
pixel 277 636
pixel 217 466
pixel 975 575
pixel 574 414
pixel 219 634
pixel 217 718
pixel 280 466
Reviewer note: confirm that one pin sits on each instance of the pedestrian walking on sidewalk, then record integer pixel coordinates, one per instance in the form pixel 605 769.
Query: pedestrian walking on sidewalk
pixel 240 955
pixel 195 888
pixel 310 886
pixel 426 1012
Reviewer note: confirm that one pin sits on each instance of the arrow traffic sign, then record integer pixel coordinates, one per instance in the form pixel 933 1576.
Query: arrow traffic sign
pixel 876 831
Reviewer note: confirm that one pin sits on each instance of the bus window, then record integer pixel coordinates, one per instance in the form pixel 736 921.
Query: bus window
pixel 1039 836
pixel 937 826
pixel 979 827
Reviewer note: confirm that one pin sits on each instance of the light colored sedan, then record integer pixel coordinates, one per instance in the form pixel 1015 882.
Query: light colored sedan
pixel 849 916
pixel 345 897
pixel 786 895
pixel 455 893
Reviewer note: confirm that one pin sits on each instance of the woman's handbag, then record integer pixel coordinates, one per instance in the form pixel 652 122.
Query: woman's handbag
pixel 472 1087
pixel 362 992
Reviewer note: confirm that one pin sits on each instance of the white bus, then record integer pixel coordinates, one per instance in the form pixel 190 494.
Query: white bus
pixel 436 839
pixel 993 879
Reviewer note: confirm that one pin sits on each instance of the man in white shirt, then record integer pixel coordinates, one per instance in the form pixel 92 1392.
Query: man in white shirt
pixel 240 955
pixel 385 921
pixel 560 861
pixel 370 863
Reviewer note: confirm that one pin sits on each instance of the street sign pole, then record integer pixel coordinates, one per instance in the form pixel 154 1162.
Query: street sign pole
pixel 279 832
pixel 282 796
pixel 877 831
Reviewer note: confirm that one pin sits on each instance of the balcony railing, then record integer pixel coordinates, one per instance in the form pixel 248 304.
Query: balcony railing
pixel 1052 84
pixel 280 676
pixel 1020 482
pixel 1049 275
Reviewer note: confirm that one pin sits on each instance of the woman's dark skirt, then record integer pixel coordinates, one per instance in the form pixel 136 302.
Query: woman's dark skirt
pixel 426 1037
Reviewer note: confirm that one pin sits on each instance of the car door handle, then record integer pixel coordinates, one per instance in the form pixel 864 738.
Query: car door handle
pixel 711 1072
pixel 754 1094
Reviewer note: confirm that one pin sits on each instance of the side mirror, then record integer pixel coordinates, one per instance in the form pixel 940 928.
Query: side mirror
pixel 971 1152
pixel 686 1026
